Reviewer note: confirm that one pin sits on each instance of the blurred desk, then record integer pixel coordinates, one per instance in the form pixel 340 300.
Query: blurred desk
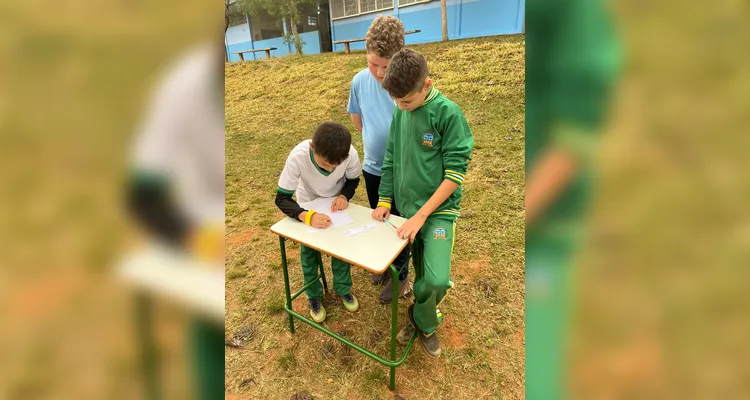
pixel 158 272
pixel 172 275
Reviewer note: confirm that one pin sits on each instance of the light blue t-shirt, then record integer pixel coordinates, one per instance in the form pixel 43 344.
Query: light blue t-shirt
pixel 368 99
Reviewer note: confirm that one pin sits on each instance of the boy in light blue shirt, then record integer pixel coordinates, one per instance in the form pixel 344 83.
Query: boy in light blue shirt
pixel 371 110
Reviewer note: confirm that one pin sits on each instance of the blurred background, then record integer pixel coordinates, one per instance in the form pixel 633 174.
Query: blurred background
pixel 659 292
pixel 663 308
pixel 657 287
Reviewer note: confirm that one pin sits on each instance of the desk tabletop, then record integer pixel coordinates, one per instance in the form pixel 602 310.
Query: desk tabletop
pixel 164 272
pixel 373 249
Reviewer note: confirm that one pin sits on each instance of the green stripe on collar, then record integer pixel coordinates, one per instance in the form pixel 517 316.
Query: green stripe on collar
pixel 431 96
pixel 318 167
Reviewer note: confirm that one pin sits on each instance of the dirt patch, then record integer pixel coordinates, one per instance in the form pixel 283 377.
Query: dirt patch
pixel 234 241
pixel 451 335
pixel 45 295
pixel 635 364
pixel 478 266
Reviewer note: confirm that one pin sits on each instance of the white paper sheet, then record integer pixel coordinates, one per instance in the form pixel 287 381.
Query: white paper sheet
pixel 323 205
pixel 358 230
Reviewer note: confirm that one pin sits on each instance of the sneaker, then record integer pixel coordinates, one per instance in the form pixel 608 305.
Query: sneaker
pixel 317 312
pixel 404 335
pixel 404 287
pixel 350 302
pixel 430 343
pixel 379 279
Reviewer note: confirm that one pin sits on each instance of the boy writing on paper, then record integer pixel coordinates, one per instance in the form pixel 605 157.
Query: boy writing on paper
pixel 325 166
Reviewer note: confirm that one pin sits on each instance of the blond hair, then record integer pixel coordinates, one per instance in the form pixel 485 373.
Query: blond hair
pixel 385 36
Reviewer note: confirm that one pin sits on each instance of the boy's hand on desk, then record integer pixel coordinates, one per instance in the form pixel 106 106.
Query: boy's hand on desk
pixel 320 221
pixel 381 213
pixel 410 229
pixel 341 203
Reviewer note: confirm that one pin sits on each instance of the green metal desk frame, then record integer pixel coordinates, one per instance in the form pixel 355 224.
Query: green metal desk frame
pixel 392 363
pixel 148 353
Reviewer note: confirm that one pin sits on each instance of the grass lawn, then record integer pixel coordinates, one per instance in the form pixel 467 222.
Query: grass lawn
pixel 272 105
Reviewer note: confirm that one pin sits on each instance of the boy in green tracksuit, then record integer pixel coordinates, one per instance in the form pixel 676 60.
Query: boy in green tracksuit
pixel 427 153
pixel 572 62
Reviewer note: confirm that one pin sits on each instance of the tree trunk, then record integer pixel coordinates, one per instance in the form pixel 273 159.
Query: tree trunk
pixel 295 34
pixel 445 19
pixel 226 28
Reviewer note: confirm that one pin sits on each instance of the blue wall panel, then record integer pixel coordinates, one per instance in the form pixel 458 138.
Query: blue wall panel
pixel 238 34
pixel 312 46
pixel 427 18
pixel 282 49
pixel 466 19
pixel 312 43
pixel 354 28
pixel 483 18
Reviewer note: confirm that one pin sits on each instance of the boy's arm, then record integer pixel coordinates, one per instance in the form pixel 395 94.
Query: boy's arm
pixel 351 175
pixel 457 146
pixel 353 107
pixel 385 191
pixel 553 172
pixel 150 185
pixel 288 206
pixel 458 143
pixel 443 192
pixel 150 201
pixel 357 121
pixel 582 76
pixel 288 182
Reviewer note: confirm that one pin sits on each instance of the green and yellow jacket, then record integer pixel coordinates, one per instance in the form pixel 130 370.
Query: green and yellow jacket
pixel 426 146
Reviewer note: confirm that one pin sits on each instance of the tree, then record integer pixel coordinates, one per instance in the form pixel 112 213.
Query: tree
pixel 288 9
pixel 445 19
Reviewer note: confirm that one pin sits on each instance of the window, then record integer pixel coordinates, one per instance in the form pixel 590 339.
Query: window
pixel 410 2
pixel 367 5
pixel 308 21
pixel 350 8
pixel 236 17
pixel 263 26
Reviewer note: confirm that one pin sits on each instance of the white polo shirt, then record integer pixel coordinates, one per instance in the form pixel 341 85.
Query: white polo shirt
pixel 182 137
pixel 304 176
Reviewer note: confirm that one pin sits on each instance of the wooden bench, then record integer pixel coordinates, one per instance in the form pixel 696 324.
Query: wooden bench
pixel 242 57
pixel 348 41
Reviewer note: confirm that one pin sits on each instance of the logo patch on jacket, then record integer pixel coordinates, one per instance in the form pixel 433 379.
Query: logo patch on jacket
pixel 427 139
pixel 440 233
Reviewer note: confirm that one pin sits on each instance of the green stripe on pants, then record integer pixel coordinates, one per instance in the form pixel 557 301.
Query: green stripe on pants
pixel 342 277
pixel 435 245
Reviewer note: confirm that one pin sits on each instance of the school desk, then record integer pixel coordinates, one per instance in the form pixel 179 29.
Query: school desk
pixel 374 248
pixel 157 272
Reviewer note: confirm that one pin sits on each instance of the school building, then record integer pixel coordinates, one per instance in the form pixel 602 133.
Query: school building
pixel 332 20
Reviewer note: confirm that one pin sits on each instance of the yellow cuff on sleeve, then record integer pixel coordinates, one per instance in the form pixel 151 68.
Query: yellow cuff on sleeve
pixel 308 217
pixel 384 204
